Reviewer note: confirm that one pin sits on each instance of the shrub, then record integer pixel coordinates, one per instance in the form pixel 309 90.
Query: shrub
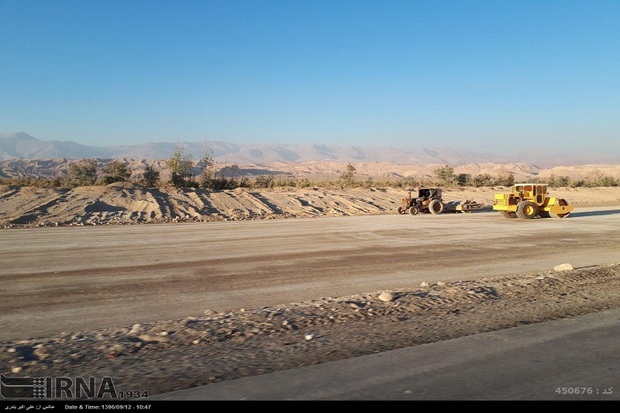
pixel 83 173
pixel 115 171
pixel 150 177
pixel 181 165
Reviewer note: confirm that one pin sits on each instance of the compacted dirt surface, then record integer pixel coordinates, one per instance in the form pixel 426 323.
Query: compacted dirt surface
pixel 152 358
pixel 99 303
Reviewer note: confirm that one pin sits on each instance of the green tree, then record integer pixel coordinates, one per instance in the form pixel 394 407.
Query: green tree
pixel 180 163
pixel 83 173
pixel 115 171
pixel 207 177
pixel 505 179
pixel 408 182
pixel 563 181
pixel 483 180
pixel 464 180
pixel 150 177
pixel 445 175
pixel 348 176
pixel 558 181
pixel 264 181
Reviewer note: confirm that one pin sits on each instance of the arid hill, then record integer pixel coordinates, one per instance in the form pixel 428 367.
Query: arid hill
pixel 327 169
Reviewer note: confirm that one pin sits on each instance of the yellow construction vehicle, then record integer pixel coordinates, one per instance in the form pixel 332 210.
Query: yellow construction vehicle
pixel 528 201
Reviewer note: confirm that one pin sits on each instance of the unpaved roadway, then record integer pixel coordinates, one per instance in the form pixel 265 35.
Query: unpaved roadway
pixel 79 278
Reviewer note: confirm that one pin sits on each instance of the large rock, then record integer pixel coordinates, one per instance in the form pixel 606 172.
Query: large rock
pixel 563 267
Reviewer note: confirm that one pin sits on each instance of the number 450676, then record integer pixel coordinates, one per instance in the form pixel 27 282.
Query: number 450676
pixel 574 390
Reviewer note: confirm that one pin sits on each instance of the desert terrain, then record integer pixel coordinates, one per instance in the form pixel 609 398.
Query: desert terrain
pixel 128 203
pixel 77 318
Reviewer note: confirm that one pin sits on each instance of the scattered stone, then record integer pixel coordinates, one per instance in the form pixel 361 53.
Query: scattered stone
pixel 424 284
pixel 40 352
pixel 563 267
pixel 441 283
pixel 148 337
pixel 122 348
pixel 135 328
pixel 16 369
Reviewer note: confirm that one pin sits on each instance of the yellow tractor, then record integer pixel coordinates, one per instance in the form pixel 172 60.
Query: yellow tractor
pixel 528 201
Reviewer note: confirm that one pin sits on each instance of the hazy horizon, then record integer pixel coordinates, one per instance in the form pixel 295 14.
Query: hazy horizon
pixel 484 76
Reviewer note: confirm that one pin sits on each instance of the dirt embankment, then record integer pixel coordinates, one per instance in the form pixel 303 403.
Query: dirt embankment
pixel 133 204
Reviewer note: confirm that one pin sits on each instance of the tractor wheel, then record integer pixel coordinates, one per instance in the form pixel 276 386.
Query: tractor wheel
pixel 508 214
pixel 400 210
pixel 413 210
pixel 436 206
pixel 527 210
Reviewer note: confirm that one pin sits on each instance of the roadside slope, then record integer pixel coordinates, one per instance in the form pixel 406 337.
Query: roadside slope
pixel 125 203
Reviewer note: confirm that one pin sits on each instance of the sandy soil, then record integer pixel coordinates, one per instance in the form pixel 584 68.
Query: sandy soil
pixel 125 203
pixel 155 357
pixel 152 358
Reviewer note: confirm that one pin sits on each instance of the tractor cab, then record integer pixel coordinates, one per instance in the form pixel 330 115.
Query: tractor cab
pixel 429 193
pixel 532 192
pixel 536 193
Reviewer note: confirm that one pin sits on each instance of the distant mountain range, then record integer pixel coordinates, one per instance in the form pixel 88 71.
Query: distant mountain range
pixel 23 146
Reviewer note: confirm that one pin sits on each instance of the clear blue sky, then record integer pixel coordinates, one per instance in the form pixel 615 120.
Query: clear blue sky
pixel 491 76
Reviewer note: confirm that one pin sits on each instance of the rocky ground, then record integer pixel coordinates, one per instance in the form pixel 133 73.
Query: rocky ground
pixel 152 358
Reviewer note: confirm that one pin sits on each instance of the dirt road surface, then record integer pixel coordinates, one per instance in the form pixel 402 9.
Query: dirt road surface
pixel 77 278
pixel 163 307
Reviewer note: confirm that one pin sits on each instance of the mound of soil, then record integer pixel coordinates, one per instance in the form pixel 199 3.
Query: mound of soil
pixel 125 203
